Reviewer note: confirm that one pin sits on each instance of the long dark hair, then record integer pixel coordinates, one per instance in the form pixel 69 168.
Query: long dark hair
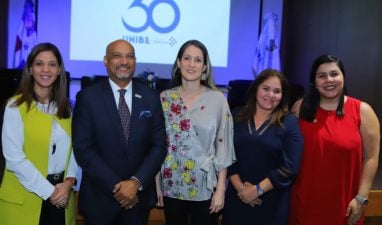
pixel 59 90
pixel 176 74
pixel 311 100
pixel 249 109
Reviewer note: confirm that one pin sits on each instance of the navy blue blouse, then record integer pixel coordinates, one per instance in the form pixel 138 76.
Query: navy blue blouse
pixel 271 151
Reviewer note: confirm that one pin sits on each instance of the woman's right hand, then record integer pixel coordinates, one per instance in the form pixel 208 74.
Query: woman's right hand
pixel 159 191
pixel 248 194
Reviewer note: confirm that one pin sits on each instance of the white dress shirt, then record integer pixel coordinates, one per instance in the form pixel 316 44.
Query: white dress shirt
pixel 128 94
pixel 128 98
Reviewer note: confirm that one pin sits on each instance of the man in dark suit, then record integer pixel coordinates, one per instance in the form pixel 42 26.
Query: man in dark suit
pixel 118 160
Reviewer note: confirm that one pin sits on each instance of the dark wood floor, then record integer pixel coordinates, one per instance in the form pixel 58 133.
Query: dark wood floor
pixel 377 185
pixel 156 218
pixel 368 221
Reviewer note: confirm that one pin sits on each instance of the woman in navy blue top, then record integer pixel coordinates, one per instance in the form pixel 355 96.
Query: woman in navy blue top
pixel 268 147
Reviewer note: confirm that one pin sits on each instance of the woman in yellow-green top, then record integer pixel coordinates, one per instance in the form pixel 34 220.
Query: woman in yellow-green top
pixel 40 167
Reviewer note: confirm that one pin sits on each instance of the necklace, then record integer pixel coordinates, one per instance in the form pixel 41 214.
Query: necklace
pixel 259 122
pixel 48 108
pixel 260 132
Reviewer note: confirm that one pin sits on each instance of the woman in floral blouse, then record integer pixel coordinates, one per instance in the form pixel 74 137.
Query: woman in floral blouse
pixel 191 183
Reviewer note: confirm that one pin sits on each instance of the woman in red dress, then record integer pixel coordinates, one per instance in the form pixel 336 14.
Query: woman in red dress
pixel 341 147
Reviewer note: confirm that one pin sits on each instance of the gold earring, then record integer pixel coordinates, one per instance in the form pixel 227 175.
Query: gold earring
pixel 204 76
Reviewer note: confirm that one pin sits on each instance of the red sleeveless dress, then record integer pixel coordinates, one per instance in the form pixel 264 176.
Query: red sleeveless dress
pixel 331 168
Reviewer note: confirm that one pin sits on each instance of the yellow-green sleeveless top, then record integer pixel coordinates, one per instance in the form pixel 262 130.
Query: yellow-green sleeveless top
pixel 17 205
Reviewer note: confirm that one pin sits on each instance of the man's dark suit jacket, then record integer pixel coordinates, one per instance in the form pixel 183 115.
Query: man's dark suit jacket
pixel 103 154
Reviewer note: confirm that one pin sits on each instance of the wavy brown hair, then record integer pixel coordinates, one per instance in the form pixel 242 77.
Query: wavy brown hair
pixel 176 74
pixel 26 93
pixel 249 109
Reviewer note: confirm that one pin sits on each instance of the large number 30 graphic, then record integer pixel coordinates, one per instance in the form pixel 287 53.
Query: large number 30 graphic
pixel 149 15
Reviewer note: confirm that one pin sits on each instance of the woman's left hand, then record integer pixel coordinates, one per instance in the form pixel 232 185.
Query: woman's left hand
pixel 217 201
pixel 60 199
pixel 354 211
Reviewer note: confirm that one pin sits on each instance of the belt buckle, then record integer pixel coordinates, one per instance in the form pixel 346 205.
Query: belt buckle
pixel 56 176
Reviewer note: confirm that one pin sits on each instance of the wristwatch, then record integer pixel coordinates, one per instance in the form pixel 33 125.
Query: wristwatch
pixel 361 200
pixel 260 191
pixel 73 181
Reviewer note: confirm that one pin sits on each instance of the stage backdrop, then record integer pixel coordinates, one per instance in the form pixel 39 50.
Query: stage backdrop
pixel 82 29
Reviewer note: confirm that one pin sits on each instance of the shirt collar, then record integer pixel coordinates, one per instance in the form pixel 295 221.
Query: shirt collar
pixel 116 88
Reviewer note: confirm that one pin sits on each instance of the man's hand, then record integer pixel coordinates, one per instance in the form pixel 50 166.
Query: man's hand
pixel 125 192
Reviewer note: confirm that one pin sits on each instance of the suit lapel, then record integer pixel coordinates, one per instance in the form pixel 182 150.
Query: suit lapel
pixel 137 99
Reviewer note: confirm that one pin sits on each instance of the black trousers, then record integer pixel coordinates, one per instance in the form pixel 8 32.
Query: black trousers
pixel 50 214
pixel 182 212
pixel 133 216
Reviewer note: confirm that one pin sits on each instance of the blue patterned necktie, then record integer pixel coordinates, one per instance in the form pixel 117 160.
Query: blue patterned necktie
pixel 124 113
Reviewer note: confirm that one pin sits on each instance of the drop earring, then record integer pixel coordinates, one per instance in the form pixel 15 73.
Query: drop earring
pixel 204 76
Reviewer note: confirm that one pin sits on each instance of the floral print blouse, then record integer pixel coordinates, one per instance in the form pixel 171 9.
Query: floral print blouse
pixel 200 144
